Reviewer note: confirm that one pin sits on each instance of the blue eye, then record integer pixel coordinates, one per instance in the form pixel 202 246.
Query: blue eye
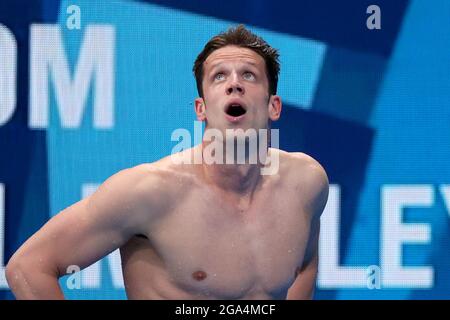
pixel 249 76
pixel 219 76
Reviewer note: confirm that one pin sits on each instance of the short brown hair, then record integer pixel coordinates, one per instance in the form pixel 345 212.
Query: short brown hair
pixel 241 37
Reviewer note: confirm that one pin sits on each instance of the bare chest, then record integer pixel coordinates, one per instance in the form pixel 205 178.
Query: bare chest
pixel 232 251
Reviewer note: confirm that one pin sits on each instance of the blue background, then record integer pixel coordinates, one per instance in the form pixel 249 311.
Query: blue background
pixel 372 106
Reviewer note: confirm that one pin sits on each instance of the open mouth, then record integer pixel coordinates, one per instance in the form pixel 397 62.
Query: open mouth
pixel 235 110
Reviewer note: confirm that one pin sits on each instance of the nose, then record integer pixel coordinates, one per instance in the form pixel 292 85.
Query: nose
pixel 234 86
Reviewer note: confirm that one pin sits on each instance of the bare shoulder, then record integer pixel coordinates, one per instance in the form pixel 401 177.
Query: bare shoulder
pixel 301 165
pixel 306 173
pixel 163 181
pixel 119 198
pixel 168 173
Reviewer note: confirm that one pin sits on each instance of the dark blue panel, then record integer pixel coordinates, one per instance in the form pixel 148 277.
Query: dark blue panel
pixel 342 147
pixel 348 84
pixel 23 161
pixel 338 23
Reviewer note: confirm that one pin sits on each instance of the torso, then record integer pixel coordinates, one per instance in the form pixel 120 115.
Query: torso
pixel 205 247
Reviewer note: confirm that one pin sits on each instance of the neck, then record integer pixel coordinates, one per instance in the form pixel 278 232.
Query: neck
pixel 230 176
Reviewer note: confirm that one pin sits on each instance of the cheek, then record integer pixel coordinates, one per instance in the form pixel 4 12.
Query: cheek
pixel 261 95
pixel 211 107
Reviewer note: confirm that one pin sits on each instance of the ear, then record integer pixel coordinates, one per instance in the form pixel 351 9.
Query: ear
pixel 200 109
pixel 274 107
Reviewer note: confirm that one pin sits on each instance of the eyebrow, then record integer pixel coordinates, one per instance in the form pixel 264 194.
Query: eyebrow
pixel 217 64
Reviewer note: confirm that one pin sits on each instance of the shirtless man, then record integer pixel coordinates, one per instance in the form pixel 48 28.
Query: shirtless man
pixel 197 231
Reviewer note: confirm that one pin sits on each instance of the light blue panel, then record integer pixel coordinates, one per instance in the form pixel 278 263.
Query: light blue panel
pixel 155 49
pixel 301 63
pixel 411 146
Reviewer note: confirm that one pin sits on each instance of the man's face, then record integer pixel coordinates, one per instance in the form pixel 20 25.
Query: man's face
pixel 236 91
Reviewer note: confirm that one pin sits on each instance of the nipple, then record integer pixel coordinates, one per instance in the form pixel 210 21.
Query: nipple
pixel 199 275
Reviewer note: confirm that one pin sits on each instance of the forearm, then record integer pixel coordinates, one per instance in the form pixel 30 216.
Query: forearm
pixel 305 284
pixel 301 291
pixel 28 284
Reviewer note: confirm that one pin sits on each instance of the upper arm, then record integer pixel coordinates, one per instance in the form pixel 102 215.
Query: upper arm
pixel 317 186
pixel 315 198
pixel 87 230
